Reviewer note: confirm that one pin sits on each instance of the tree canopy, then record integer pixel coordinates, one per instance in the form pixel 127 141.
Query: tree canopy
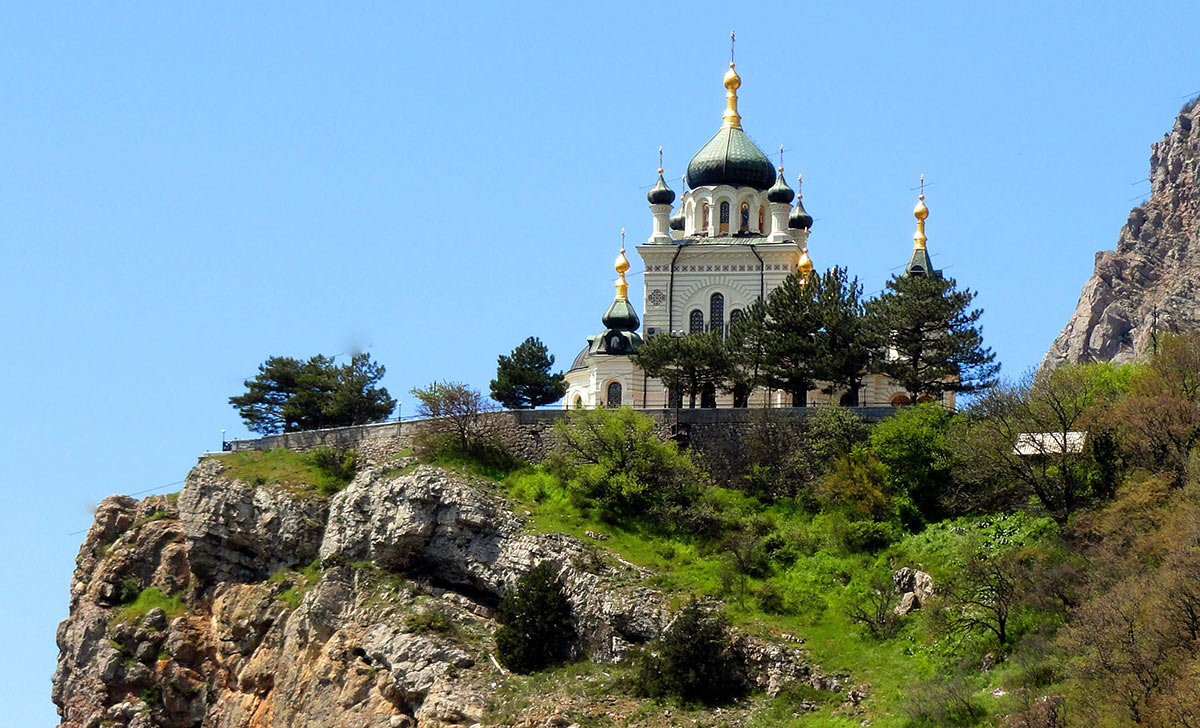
pixel 523 378
pixel 289 395
pixel 935 343
pixel 688 364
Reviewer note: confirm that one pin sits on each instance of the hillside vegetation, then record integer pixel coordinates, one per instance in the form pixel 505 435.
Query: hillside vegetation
pixel 1065 578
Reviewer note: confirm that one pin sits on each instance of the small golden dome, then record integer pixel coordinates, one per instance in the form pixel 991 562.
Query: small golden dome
pixel 920 211
pixel 732 80
pixel 622 263
pixel 805 264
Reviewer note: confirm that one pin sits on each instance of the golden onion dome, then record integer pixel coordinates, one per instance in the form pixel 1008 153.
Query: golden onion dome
pixel 920 211
pixel 732 80
pixel 805 263
pixel 622 263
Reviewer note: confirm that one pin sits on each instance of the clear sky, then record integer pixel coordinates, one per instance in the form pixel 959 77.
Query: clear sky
pixel 189 188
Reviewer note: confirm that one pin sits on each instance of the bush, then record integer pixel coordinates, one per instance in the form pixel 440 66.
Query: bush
pixel 538 628
pixel 770 599
pixel 692 661
pixel 340 464
pixel 432 619
pixel 614 461
pixel 867 536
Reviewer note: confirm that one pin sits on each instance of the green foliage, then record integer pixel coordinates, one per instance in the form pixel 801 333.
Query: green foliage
pixel 614 461
pixel 147 599
pixel 523 378
pixel 297 472
pixel 288 395
pixel 805 332
pixel 858 485
pixel 912 445
pixel 692 661
pixel 431 620
pixel 938 345
pixel 688 364
pixel 458 417
pixel 340 464
pixel 298 582
pixel 152 696
pixel 538 628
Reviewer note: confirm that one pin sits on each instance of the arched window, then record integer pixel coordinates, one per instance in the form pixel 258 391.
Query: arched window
pixel 708 397
pixel 900 400
pixel 675 398
pixel 578 403
pixel 741 396
pixel 734 316
pixel 704 218
pixel 696 321
pixel 925 398
pixel 799 399
pixel 849 398
pixel 716 313
pixel 762 218
pixel 744 223
pixel 724 217
pixel 613 398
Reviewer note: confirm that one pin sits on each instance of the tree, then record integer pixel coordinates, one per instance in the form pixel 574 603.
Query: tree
pixel 538 629
pixel 807 331
pixel 688 364
pixel 1043 412
pixel 847 341
pixel 523 378
pixel 457 410
pixel 934 342
pixel 357 397
pixel 912 444
pixel 613 459
pixel 692 660
pixel 1159 421
pixel 985 595
pixel 288 395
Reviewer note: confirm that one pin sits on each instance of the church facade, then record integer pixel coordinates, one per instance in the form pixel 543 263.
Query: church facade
pixel 737 232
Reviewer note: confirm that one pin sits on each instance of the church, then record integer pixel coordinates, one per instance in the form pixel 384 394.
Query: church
pixel 738 231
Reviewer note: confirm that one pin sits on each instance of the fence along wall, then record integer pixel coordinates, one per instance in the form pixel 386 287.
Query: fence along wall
pixel 717 434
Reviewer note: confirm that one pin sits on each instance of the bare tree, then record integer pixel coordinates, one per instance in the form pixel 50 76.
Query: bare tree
pixel 455 408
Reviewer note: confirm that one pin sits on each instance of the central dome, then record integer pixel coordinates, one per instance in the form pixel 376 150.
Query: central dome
pixel 730 158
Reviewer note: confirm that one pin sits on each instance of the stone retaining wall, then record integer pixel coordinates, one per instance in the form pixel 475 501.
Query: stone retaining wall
pixel 716 434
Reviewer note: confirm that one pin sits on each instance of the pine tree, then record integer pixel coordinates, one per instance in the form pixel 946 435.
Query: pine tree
pixel 807 331
pixel 288 395
pixel 523 378
pixel 935 343
pixel 689 364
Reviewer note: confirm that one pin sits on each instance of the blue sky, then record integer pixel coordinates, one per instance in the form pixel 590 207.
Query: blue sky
pixel 187 189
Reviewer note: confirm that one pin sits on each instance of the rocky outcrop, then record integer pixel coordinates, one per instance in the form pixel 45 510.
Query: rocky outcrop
pixel 235 605
pixel 1153 274
pixel 914 587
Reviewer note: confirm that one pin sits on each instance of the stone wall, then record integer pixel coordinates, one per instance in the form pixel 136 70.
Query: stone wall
pixel 717 434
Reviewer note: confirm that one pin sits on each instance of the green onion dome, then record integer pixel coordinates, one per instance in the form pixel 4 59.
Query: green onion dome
pixel 730 158
pixel 800 219
pixel 661 194
pixel 620 316
pixel 780 192
pixel 677 220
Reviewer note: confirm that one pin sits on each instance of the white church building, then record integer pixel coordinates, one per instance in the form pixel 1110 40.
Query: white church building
pixel 734 236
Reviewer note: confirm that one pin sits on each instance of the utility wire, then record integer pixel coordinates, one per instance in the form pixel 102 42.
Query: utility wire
pixel 140 492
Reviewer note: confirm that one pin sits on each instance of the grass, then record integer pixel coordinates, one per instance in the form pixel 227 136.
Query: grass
pixel 820 576
pixel 299 581
pixel 296 472
pixel 148 599
pixel 156 516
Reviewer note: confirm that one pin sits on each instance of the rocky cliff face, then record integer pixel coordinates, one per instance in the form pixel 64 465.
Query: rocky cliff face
pixel 1156 266
pixel 234 605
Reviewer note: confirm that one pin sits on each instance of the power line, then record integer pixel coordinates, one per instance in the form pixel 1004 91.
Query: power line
pixel 140 492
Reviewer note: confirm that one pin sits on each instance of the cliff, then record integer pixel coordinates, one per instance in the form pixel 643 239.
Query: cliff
pixel 1155 268
pixel 235 604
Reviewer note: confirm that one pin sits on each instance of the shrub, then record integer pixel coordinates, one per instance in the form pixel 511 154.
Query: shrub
pixel 945 700
pixel 614 461
pixel 875 609
pixel 692 661
pixel 432 619
pixel 538 627
pixel 867 536
pixel 770 599
pixel 340 464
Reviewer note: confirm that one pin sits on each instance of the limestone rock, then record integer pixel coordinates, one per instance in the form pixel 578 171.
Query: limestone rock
pixel 266 640
pixel 1155 270
pixel 915 588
